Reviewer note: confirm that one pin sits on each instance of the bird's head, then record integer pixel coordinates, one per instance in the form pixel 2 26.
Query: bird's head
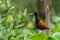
pixel 34 13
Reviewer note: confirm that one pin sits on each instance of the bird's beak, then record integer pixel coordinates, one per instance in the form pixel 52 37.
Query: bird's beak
pixel 32 13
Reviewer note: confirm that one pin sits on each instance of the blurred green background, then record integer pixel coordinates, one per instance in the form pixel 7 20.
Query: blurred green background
pixel 16 23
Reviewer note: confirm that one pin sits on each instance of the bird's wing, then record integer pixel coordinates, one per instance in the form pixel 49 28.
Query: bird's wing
pixel 42 25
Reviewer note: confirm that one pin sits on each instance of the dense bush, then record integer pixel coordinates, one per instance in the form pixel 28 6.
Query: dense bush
pixel 19 25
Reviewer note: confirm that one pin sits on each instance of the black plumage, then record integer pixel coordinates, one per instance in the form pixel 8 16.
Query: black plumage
pixel 39 23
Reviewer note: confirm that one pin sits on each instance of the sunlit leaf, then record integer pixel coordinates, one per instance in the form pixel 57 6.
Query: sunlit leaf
pixel 56 30
pixel 30 25
pixel 9 18
pixel 56 35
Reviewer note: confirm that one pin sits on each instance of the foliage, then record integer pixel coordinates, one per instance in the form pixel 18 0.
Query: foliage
pixel 17 24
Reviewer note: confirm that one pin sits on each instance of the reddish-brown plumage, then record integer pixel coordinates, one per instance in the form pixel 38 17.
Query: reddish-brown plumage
pixel 39 24
pixel 42 25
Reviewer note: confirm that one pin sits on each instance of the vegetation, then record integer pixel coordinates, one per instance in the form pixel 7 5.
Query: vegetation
pixel 18 24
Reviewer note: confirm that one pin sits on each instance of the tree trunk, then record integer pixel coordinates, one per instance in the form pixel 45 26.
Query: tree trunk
pixel 41 11
pixel 44 11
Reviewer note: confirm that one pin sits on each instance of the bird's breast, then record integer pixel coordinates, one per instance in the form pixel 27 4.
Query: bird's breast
pixel 41 25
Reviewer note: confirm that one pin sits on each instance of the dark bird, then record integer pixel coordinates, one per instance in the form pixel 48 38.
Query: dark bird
pixel 39 24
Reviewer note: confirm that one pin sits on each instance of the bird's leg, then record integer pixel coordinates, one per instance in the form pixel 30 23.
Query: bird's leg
pixel 42 30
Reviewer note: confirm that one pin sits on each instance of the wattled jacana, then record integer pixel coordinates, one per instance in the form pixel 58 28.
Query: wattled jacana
pixel 39 24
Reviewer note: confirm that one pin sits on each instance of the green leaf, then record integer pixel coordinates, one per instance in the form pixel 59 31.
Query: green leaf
pixel 51 38
pixel 12 38
pixel 41 36
pixel 56 30
pixel 9 18
pixel 56 36
pixel 13 33
pixel 25 12
pixel 55 19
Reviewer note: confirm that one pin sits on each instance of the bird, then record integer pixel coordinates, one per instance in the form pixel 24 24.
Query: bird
pixel 39 23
